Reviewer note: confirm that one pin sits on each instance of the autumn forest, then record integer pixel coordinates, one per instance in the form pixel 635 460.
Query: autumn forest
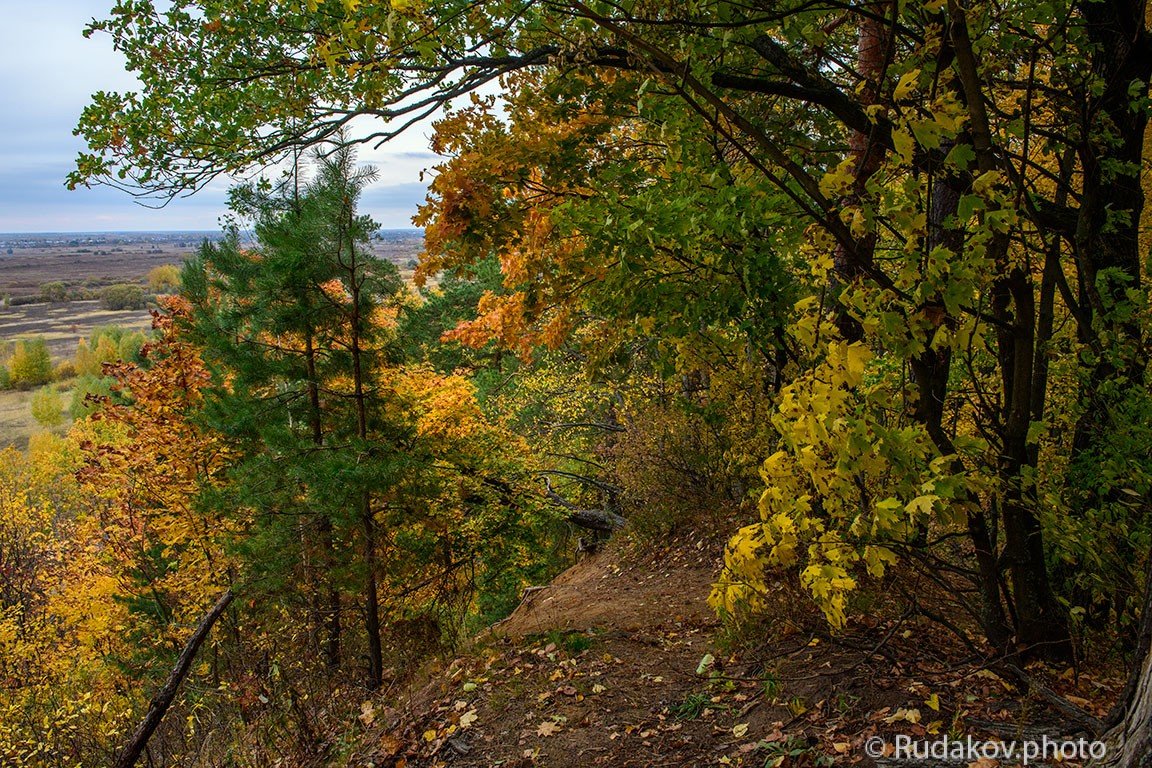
pixel 773 384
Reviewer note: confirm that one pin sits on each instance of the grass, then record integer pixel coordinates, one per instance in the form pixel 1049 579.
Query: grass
pixel 16 422
pixel 574 643
pixel 692 707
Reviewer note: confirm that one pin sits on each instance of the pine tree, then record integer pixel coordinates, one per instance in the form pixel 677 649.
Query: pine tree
pixel 287 326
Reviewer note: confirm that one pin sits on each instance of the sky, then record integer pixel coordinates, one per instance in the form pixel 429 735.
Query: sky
pixel 48 70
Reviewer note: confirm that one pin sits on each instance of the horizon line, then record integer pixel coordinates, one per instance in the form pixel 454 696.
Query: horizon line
pixel 158 231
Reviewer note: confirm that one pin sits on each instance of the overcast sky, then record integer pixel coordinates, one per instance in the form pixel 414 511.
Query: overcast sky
pixel 48 71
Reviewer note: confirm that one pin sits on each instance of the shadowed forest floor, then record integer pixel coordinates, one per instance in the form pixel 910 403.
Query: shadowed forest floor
pixel 609 666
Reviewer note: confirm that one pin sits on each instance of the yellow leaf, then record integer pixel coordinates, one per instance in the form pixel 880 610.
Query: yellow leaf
pixel 922 505
pixel 906 85
pixel 904 145
pixel 985 181
pixel 907 715
pixel 838 180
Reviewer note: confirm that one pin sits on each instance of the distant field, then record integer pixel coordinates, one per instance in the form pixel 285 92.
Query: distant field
pixel 26 269
pixel 64 325
pixel 91 261
pixel 29 261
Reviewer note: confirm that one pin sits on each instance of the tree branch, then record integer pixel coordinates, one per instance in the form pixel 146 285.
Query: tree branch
pixel 596 519
pixel 162 700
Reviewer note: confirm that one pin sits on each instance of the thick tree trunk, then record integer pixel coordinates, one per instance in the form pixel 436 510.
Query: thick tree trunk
pixel 1130 743
pixel 1041 626
pixel 1105 239
pixel 595 519
pixel 872 48
pixel 1130 740
pixel 163 700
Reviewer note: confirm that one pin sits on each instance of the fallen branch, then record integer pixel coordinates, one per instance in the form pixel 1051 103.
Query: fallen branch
pixel 1074 714
pixel 162 700
pixel 596 519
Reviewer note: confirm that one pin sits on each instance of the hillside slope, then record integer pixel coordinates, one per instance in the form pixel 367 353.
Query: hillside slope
pixel 620 662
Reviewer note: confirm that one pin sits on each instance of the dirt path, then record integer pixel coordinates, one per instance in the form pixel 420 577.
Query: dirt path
pixel 619 663
pixel 610 593
pixel 598 668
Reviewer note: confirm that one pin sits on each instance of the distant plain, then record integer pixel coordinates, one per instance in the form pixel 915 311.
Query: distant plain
pixel 88 263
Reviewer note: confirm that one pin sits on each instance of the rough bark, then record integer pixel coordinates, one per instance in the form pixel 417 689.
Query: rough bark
pixel 330 614
pixel 163 699
pixel 1130 742
pixel 1041 625
pixel 1129 739
pixel 867 152
pixel 1111 154
pixel 364 498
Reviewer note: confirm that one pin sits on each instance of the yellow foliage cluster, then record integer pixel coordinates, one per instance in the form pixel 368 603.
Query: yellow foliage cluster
pixel 61 702
pixel 846 491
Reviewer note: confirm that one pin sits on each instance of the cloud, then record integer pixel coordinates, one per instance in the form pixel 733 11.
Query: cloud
pixel 48 72
pixel 33 198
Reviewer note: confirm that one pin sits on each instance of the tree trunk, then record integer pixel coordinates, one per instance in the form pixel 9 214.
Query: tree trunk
pixel 364 500
pixel 1130 740
pixel 872 49
pixel 371 597
pixel 331 613
pixel 1041 626
pixel 1105 239
pixel 162 700
pixel 595 519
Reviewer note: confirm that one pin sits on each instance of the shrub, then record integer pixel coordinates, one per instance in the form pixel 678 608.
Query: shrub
pixel 64 371
pixel 46 408
pixel 129 346
pixel 164 279
pixel 108 344
pixel 5 378
pixel 124 296
pixel 54 292
pixel 31 365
